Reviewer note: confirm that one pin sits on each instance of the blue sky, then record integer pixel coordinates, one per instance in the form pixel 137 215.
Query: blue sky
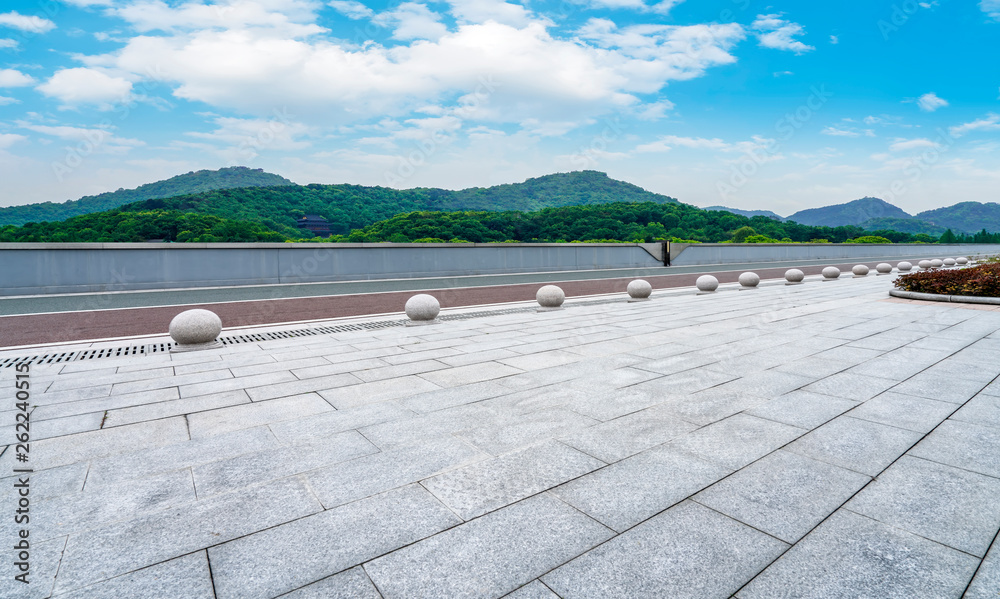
pixel 757 105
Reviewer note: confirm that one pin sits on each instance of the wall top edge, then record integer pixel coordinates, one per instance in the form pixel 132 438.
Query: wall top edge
pixel 237 246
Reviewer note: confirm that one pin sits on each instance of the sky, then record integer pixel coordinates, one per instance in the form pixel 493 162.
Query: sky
pixel 775 105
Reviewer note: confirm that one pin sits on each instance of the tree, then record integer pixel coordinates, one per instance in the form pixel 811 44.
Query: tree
pixel 740 235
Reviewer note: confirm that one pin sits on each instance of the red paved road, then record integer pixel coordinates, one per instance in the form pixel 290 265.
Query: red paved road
pixel 34 329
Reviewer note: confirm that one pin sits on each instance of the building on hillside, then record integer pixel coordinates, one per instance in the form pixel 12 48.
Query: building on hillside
pixel 315 223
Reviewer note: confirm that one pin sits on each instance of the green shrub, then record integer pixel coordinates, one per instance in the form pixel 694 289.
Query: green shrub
pixel 868 239
pixel 760 239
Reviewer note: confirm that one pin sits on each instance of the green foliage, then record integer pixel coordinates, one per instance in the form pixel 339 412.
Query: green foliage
pixel 965 217
pixel 760 239
pixel 868 239
pixel 740 235
pixel 194 182
pixel 978 281
pixel 119 226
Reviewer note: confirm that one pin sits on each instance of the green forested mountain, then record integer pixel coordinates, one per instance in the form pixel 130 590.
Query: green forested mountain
pixel 749 213
pixel 193 182
pixel 965 217
pixel 851 213
pixel 904 225
pixel 350 207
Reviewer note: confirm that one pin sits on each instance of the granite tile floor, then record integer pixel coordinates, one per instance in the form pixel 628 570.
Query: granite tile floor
pixel 817 440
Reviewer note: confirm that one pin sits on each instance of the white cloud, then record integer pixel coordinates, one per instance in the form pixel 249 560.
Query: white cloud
pixel 14 78
pixel 663 7
pixel 991 122
pixel 28 23
pixel 86 3
pixel 783 73
pixel 411 21
pixel 839 132
pixel 991 8
pixel 352 9
pixel 668 142
pixel 8 43
pixel 930 102
pixel 102 141
pixel 5 100
pixel 834 39
pixel 901 145
pixel 9 139
pixel 482 11
pixel 86 86
pixel 239 141
pixel 291 18
pixel 774 32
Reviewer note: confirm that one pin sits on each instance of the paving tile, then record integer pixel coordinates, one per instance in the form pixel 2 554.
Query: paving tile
pixel 678 363
pixel 175 407
pixel 689 381
pixel 482 487
pixel 351 584
pixel 688 551
pixel 43 562
pixel 942 388
pixel 945 504
pixel 473 373
pixel 186 576
pixel 284 384
pixel 524 429
pixel 533 400
pixel 904 411
pixel 50 483
pixel 851 355
pixel 126 546
pixel 982 409
pixel 963 445
pixel 888 367
pixel 634 489
pixel 398 433
pixel 987 580
pixel 325 368
pixel 851 386
pixel 325 543
pixel 715 404
pixel 69 449
pixel 377 473
pixel 111 470
pixel 225 420
pixel 367 393
pixel 322 425
pixel 802 409
pixel 491 555
pixel 48 429
pixel 450 397
pixel 62 383
pixel 736 441
pixel 783 494
pixel 859 445
pixel 609 405
pixel 532 590
pixel 628 435
pixel 245 359
pixel 398 370
pixel 257 467
pixel 294 366
pixel 48 399
pixel 100 405
pixel 72 513
pixel 851 556
pixel 170 381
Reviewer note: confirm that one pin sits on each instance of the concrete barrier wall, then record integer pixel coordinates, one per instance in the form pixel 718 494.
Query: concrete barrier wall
pixel 698 254
pixel 40 268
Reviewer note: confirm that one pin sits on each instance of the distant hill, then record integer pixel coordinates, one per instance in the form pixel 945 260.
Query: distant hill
pixel 965 217
pixel 903 225
pixel 851 213
pixel 349 207
pixel 749 213
pixel 193 182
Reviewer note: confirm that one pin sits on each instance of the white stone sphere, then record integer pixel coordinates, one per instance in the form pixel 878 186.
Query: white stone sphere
pixel 639 289
pixel 884 268
pixel 961 260
pixel 924 264
pixel 707 283
pixel 550 296
pixel 831 272
pixel 193 327
pixel 860 270
pixel 422 307
pixel 794 275
pixel 749 279
pixel 937 263
pixel 904 266
pixel 949 261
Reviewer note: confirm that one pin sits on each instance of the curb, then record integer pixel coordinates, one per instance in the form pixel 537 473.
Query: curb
pixel 934 297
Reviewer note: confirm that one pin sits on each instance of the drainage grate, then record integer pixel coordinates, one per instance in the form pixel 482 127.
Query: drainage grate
pixel 164 347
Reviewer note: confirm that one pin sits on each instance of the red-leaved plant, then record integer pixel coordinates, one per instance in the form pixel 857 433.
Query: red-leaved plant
pixel 979 281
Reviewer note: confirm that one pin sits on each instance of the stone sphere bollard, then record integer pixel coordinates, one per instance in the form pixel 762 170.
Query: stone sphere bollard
pixel 937 263
pixel 860 270
pixel 422 309
pixel 196 329
pixel 904 266
pixel 749 280
pixel 550 297
pixel 950 262
pixel 961 260
pixel 884 268
pixel 794 276
pixel 639 290
pixel 924 264
pixel 831 273
pixel 707 283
